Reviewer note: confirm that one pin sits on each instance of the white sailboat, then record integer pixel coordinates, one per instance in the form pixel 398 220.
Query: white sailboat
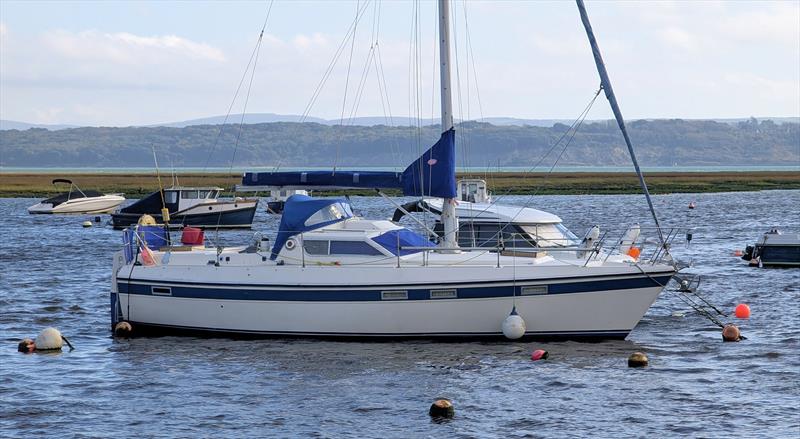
pixel 332 274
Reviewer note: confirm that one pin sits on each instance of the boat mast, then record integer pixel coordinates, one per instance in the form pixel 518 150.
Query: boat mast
pixel 605 82
pixel 448 217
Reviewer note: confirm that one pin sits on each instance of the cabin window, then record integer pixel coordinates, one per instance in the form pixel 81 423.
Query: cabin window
pixel 189 195
pixel 444 294
pixel 324 248
pixel 316 247
pixel 533 290
pixel 170 197
pixel 394 295
pixel 330 213
pixel 551 235
pixel 203 194
pixel 353 248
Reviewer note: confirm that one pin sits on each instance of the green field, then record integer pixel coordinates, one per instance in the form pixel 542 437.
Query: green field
pixel 136 185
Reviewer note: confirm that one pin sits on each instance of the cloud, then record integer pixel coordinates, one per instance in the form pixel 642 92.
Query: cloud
pixel 680 38
pixel 314 40
pixel 127 48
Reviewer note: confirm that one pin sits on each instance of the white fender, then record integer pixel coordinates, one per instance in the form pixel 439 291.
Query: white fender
pixel 629 238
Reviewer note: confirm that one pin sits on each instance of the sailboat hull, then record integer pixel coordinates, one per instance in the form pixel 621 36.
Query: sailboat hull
pixel 603 307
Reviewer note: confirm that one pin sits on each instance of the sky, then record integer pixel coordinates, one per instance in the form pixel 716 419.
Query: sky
pixel 140 62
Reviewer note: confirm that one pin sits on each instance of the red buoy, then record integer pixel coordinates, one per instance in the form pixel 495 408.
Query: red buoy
pixel 742 311
pixel 539 354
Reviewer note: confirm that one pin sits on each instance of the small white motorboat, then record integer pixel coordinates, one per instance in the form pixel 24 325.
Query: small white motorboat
pixel 77 201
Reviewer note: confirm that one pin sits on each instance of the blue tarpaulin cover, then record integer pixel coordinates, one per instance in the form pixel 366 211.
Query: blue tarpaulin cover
pixel 433 174
pixel 299 216
pixel 395 240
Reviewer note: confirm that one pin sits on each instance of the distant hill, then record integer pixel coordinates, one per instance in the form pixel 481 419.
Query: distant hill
pixel 256 118
pixel 658 143
pixel 14 125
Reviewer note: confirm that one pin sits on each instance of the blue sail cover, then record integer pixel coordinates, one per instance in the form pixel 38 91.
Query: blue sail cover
pixel 396 240
pixel 312 179
pixel 433 175
pixel 302 213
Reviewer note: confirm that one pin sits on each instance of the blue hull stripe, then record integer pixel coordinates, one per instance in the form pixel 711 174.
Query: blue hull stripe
pixel 598 334
pixel 197 291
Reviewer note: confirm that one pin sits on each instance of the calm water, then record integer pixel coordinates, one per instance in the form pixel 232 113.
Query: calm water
pixel 55 273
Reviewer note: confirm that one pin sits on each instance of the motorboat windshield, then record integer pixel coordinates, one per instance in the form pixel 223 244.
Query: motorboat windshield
pixel 551 235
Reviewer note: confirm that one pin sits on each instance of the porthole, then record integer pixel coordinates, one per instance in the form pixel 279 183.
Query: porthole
pixel 290 244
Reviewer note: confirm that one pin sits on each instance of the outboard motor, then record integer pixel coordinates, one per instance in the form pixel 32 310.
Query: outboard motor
pixel 748 253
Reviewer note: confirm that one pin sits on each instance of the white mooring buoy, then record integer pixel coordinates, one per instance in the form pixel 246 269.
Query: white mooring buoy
pixel 513 325
pixel 49 339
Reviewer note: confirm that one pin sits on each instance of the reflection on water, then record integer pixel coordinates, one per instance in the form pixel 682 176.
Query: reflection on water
pixel 56 273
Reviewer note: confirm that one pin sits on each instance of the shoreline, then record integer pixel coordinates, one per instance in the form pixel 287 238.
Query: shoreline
pixel 133 185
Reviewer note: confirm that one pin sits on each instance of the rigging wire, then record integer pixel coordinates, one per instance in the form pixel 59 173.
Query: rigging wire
pixel 254 61
pixel 346 86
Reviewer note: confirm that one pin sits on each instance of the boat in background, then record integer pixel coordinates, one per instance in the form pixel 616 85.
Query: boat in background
pixel 775 248
pixel 278 197
pixel 190 206
pixel 484 223
pixel 77 201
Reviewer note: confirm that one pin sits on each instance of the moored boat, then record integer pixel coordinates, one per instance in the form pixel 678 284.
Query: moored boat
pixel 190 206
pixel 77 201
pixel 775 248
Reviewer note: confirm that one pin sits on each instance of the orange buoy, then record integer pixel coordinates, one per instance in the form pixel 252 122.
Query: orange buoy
pixel 634 252
pixel 539 354
pixel 738 253
pixel 742 311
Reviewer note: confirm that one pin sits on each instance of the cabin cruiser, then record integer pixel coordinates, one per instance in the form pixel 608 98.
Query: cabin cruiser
pixel 77 201
pixel 190 206
pixel 278 197
pixel 775 248
pixel 484 223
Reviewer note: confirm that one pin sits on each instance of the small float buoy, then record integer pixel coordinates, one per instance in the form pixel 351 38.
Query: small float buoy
pixel 26 345
pixel 146 220
pixel 87 224
pixel 678 314
pixel 738 253
pixel 49 339
pixel 539 354
pixel 442 408
pixel 513 325
pixel 637 359
pixel 634 252
pixel 692 205
pixel 742 311
pixel 731 333
pixel 123 329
